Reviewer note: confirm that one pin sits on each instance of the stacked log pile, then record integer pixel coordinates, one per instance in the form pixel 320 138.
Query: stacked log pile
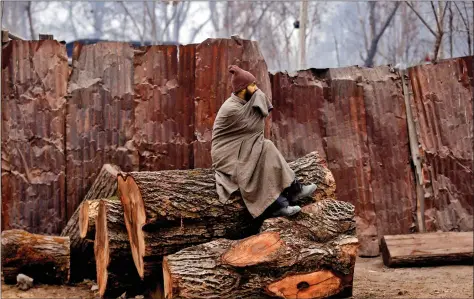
pixel 171 226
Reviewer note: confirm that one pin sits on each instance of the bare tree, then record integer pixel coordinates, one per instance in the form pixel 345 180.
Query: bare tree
pixel 465 21
pixel 439 16
pixel 376 33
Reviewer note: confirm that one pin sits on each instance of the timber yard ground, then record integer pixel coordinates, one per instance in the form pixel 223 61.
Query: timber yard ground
pixel 372 280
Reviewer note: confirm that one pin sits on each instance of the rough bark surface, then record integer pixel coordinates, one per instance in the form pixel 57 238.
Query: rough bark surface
pixel 288 261
pixel 115 270
pixel 43 258
pixel 427 249
pixel 105 185
pixel 187 199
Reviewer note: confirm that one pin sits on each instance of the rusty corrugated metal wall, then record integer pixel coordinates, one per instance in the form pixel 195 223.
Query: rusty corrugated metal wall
pixel 213 86
pixel 442 106
pixel 164 130
pixel 298 116
pixel 100 115
pixel 34 84
pixel 152 108
pixel 356 117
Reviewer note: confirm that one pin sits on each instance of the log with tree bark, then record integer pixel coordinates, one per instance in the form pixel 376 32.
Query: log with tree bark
pixel 308 256
pixel 81 226
pixel 427 249
pixel 43 258
pixel 115 270
pixel 184 204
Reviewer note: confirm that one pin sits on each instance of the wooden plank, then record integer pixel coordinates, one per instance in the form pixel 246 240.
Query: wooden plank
pixel 427 249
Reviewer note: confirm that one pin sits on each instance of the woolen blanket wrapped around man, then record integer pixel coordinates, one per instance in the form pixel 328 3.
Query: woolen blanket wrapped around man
pixel 243 159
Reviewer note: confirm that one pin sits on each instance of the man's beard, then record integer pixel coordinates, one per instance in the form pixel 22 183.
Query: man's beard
pixel 248 95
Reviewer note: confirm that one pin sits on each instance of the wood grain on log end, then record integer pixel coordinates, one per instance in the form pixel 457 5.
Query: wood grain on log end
pixel 167 280
pixel 88 211
pixel 319 284
pixel 101 248
pixel 135 218
pixel 253 250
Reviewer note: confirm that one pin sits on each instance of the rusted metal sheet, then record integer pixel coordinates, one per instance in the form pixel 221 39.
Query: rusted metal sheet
pixel 100 115
pixel 367 151
pixel 298 116
pixel 164 107
pixel 213 86
pixel 34 84
pixel 442 105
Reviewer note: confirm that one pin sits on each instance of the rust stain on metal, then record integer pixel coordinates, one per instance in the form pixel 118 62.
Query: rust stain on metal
pixel 100 116
pixel 213 86
pixel 34 81
pixel 298 115
pixel 442 105
pixel 164 107
pixel 368 153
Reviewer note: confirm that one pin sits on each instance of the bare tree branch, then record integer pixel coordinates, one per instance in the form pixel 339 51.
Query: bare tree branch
pixel 30 20
pixel 369 61
pixel 421 19
pixel 135 24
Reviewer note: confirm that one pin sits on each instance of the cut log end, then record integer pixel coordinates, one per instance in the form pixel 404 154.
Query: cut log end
pixel 135 218
pixel 253 250
pixel 319 284
pixel 101 248
pixel 167 281
pixel 83 219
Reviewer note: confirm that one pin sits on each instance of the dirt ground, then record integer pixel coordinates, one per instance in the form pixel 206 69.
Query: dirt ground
pixel 372 280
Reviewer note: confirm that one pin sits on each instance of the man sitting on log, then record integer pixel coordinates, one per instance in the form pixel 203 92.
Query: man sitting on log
pixel 244 160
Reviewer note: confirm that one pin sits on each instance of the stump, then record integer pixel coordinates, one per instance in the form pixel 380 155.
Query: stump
pixel 286 261
pixel 43 258
pixel 115 270
pixel 158 200
pixel 81 226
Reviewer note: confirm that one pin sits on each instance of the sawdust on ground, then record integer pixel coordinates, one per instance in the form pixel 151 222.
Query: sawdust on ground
pixel 372 280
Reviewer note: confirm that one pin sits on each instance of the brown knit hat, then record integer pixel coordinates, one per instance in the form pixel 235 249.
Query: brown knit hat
pixel 240 78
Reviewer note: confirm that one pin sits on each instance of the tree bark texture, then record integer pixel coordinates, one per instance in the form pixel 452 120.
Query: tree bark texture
pixel 442 248
pixel 286 260
pixel 43 258
pixel 187 199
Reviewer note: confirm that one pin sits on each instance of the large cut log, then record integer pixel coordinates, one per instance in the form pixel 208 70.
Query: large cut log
pixel 285 260
pixel 81 226
pixel 442 248
pixel 115 269
pixel 43 258
pixel 188 199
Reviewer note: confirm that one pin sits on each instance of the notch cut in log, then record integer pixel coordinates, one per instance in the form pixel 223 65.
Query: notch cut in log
pixel 115 269
pixel 427 249
pixel 81 227
pixel 44 258
pixel 286 262
pixel 175 198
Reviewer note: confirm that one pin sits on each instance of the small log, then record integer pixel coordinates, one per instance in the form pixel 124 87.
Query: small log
pixel 5 37
pixel 188 198
pixel 287 262
pixel 81 226
pixel 115 270
pixel 43 258
pixel 427 249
